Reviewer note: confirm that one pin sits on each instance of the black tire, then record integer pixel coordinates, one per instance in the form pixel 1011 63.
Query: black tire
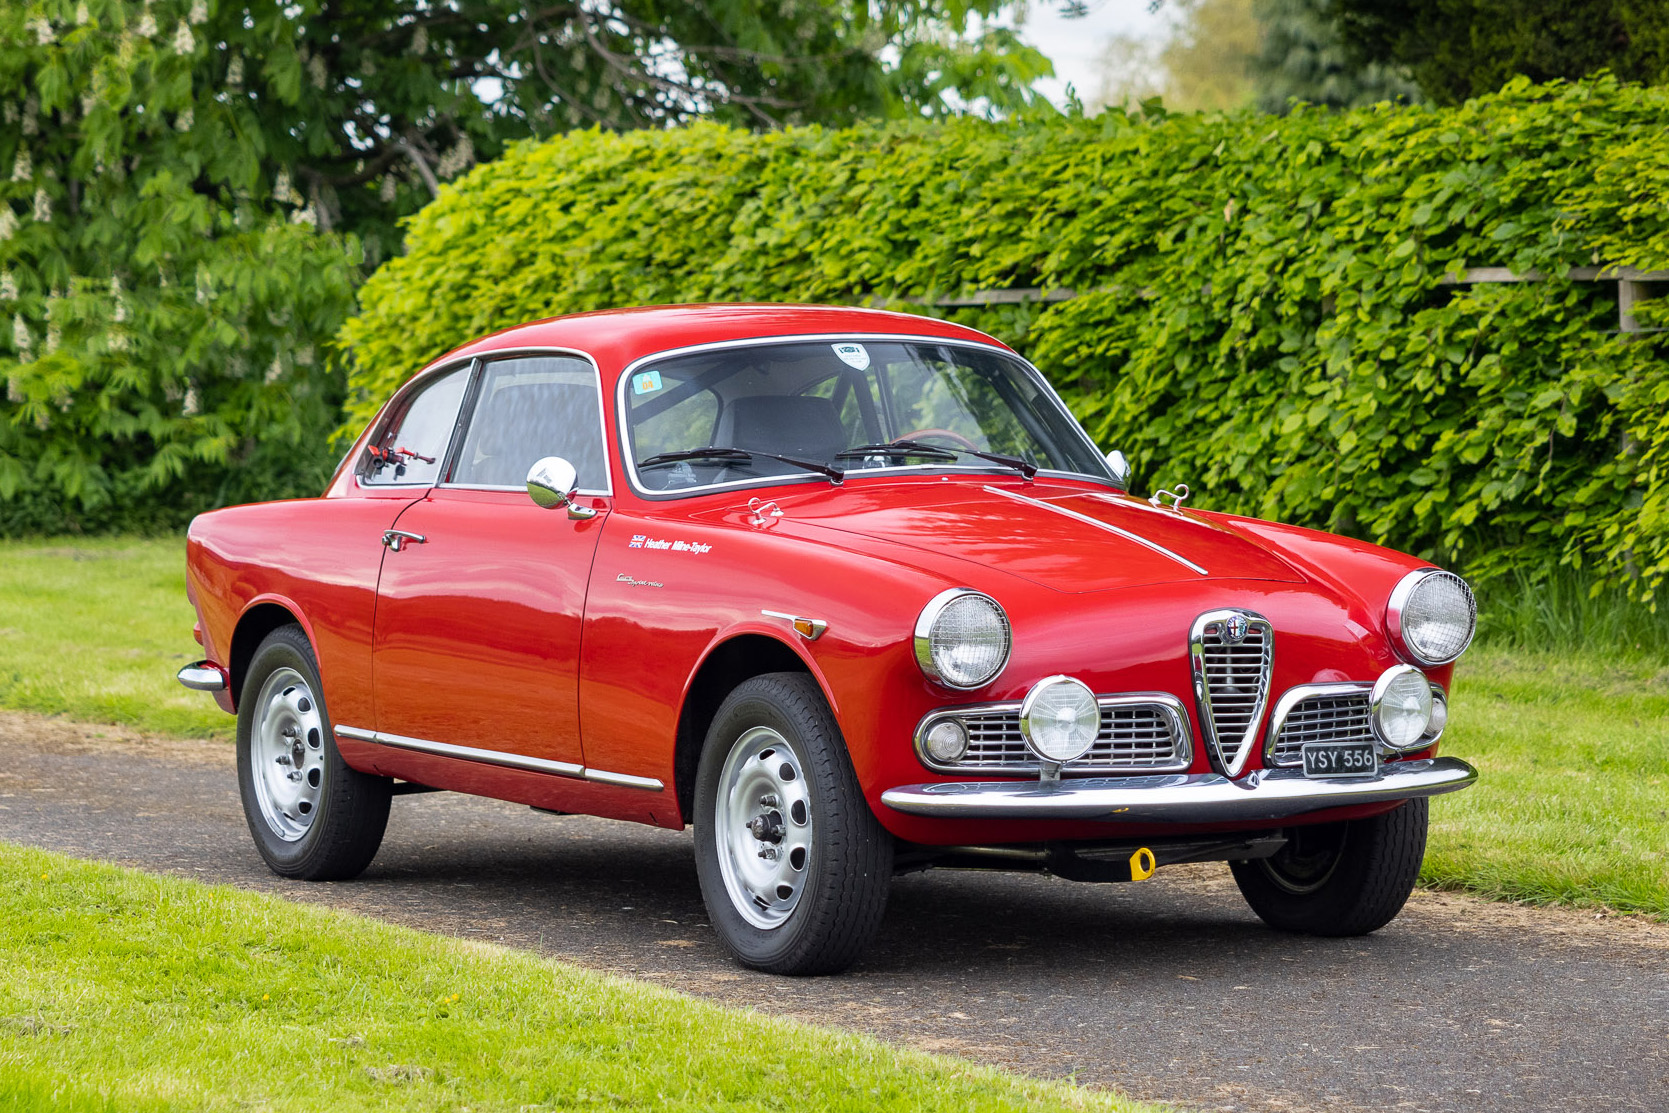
pixel 313 817
pixel 839 893
pixel 1339 879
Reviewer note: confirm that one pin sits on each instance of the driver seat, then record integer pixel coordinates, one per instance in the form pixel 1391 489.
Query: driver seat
pixel 801 425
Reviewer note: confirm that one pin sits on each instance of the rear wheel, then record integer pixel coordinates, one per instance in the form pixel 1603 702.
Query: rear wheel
pixel 794 867
pixel 1339 878
pixel 312 816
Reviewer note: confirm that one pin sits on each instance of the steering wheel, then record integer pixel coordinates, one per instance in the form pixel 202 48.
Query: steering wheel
pixel 917 434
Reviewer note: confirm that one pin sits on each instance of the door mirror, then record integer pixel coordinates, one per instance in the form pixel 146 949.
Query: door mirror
pixel 551 483
pixel 1115 461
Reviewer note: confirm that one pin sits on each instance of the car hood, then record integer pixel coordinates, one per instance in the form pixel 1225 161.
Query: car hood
pixel 1064 538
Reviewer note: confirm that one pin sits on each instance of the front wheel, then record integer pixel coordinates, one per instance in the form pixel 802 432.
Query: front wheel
pixel 1339 879
pixel 794 867
pixel 312 816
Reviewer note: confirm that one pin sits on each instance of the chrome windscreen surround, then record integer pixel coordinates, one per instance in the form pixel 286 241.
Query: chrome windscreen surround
pixel 1232 653
pixel 1398 602
pixel 1339 712
pixel 1141 732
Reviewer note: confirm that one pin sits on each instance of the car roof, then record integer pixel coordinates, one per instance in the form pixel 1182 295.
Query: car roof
pixel 617 337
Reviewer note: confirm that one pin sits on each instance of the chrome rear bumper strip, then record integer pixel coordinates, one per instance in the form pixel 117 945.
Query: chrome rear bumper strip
pixel 499 757
pixel 1178 797
pixel 203 676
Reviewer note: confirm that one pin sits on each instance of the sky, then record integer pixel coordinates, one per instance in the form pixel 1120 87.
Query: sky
pixel 1074 45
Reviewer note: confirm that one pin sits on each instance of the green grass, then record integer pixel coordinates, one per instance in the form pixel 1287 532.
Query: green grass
pixel 124 991
pixel 96 630
pixel 1572 801
pixel 1563 705
pixel 1561 612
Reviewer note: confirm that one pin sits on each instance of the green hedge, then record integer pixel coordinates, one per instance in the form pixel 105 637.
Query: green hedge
pixel 1262 313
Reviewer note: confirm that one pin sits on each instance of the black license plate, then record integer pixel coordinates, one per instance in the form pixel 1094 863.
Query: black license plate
pixel 1340 759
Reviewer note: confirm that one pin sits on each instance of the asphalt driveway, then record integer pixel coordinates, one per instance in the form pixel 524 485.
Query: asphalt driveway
pixel 1169 989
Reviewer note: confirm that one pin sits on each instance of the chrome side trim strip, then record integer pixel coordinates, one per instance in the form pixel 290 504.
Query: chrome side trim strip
pixel 499 757
pixel 203 676
pixel 1099 524
pixel 624 780
pixel 1263 795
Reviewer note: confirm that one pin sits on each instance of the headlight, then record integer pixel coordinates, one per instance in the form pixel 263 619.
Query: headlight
pixel 962 638
pixel 1401 705
pixel 1060 719
pixel 1432 615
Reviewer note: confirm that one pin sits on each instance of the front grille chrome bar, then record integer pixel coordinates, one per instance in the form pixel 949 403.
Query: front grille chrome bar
pixel 1141 732
pixel 1232 653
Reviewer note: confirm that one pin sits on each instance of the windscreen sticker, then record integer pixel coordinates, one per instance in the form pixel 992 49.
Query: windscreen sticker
pixel 647 383
pixel 853 355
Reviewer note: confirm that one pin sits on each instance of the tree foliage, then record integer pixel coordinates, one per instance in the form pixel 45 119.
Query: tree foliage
pixel 1460 48
pixel 159 321
pixel 1263 314
pixel 191 187
pixel 1303 56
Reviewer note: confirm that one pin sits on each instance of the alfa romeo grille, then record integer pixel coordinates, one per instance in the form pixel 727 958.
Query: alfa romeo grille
pixel 1134 737
pixel 1333 718
pixel 1232 653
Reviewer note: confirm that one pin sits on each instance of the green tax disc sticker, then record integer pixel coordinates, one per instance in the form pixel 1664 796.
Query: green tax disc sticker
pixel 646 383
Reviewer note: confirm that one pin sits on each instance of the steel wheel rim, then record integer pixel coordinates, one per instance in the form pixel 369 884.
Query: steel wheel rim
pixel 763 829
pixel 1302 875
pixel 287 754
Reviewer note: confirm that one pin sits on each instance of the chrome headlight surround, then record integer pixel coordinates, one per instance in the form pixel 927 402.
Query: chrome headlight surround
pixel 934 647
pixel 1403 618
pixel 1395 686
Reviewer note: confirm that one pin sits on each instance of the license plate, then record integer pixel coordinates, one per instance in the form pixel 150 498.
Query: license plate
pixel 1340 759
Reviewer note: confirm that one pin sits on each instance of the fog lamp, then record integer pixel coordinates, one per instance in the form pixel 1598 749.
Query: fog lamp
pixel 946 741
pixel 1401 705
pixel 1060 719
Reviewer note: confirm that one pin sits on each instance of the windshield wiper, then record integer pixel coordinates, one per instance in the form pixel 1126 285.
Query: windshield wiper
pixel 937 452
pixel 1024 467
pixel 897 448
pixel 718 452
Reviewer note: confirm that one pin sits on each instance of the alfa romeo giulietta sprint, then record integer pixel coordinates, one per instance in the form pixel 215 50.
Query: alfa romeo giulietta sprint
pixel 848 591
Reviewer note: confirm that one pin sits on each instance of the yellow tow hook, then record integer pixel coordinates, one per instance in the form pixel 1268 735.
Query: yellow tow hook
pixel 1142 864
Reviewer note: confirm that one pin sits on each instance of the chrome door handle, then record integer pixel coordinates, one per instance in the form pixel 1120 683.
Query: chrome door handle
pixel 396 539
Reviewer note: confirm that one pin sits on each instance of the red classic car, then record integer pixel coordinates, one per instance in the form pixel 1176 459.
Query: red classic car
pixel 850 592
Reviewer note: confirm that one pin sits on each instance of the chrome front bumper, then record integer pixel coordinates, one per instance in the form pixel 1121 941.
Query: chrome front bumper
pixel 1179 797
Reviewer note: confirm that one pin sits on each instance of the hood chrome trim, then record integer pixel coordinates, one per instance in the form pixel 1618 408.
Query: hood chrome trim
pixel 1099 524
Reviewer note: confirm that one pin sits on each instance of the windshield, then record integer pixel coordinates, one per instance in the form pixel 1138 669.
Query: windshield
pixel 810 408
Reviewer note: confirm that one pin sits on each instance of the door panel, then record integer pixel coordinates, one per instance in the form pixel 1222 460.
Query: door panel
pixel 478 625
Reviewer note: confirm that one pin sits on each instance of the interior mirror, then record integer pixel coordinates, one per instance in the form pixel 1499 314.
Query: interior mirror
pixel 1115 460
pixel 551 483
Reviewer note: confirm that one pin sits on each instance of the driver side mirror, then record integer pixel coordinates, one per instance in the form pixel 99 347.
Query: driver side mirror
pixel 551 483
pixel 1119 465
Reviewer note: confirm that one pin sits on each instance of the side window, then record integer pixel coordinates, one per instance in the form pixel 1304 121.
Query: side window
pixel 529 408
pixel 413 448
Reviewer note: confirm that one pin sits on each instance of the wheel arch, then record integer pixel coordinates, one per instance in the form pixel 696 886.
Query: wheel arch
pixel 259 619
pixel 729 663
